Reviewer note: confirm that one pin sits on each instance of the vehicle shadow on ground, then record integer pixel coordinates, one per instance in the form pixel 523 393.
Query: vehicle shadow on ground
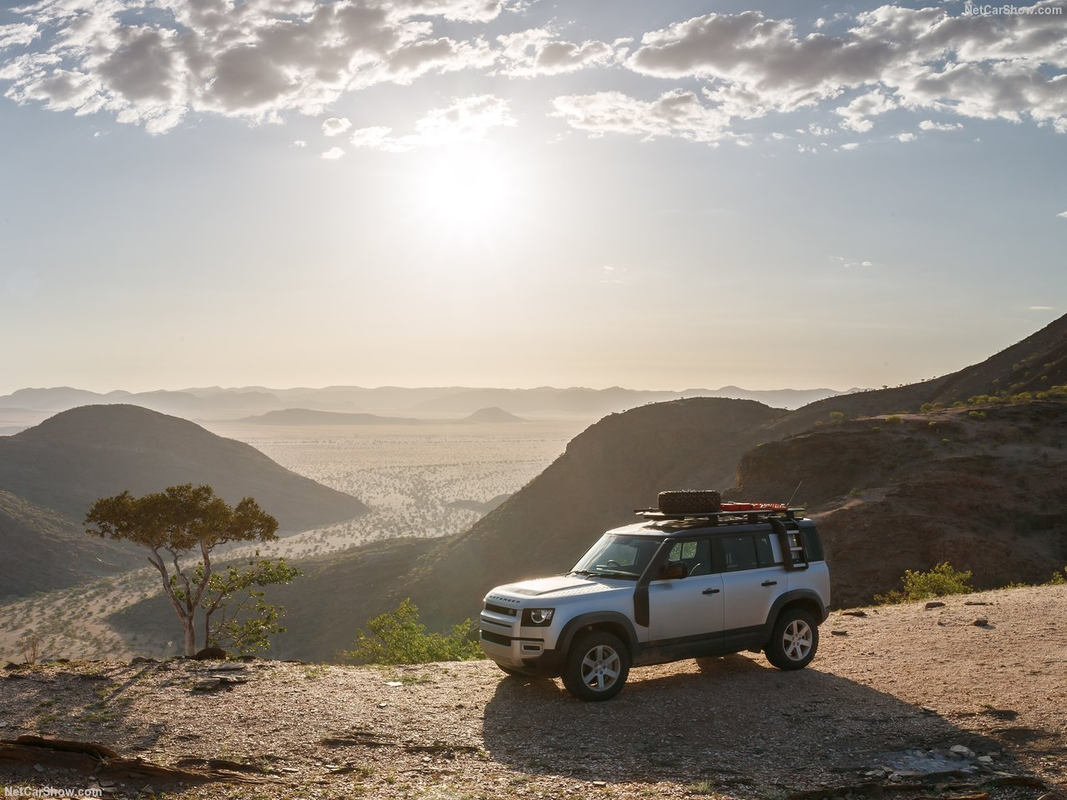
pixel 736 722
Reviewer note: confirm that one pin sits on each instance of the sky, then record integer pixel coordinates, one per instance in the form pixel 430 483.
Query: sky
pixel 518 193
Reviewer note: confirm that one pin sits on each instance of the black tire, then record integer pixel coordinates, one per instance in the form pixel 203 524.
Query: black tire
pixel 690 501
pixel 597 666
pixel 794 641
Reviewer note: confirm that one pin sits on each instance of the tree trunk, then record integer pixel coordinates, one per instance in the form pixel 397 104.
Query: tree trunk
pixel 190 636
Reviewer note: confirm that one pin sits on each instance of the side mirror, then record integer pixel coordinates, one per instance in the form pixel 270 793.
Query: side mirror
pixel 677 569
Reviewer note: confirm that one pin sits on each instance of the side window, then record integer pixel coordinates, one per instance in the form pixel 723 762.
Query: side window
pixel 739 553
pixel 696 556
pixel 764 551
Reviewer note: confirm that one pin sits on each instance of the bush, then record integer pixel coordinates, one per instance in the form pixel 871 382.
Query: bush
pixel 940 581
pixel 399 638
pixel 1059 578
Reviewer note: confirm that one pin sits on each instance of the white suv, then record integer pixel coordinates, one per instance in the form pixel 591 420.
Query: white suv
pixel 680 584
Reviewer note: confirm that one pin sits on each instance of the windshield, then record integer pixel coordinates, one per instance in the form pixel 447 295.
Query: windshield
pixel 617 557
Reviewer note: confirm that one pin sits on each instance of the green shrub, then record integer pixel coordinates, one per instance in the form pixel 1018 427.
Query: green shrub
pixel 399 638
pixel 1059 578
pixel 940 581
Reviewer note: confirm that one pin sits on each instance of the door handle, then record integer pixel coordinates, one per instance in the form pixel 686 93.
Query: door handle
pixel 769 583
pixel 710 591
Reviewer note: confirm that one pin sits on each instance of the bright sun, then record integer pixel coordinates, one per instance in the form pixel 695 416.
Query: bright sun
pixel 467 192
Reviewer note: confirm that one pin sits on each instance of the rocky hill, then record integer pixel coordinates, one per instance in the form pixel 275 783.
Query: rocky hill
pixel 492 415
pixel 903 702
pixel 52 473
pixel 981 488
pixel 71 459
pixel 45 550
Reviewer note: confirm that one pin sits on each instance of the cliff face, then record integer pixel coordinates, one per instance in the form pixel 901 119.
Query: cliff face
pixel 984 492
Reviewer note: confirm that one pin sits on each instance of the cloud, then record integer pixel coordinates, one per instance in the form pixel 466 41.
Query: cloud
pixel 905 137
pixel 987 67
pixel 465 120
pixel 154 63
pixel 678 113
pixel 850 264
pixel 537 52
pixel 1040 308
pixel 1062 214
pixel 867 105
pixel 929 125
pixel 20 33
pixel 850 146
pixel 300 143
pixel 333 154
pixel 335 126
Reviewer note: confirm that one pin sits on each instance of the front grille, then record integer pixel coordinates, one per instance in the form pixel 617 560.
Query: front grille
pixel 496 638
pixel 511 612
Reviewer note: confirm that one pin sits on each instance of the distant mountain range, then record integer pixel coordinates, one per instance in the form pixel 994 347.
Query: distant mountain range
pixel 307 416
pixel 27 407
pixel 51 474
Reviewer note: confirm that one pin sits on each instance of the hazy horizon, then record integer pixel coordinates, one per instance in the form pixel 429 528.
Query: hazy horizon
pixel 495 193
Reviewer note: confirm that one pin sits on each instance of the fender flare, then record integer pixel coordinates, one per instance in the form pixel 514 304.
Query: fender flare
pixel 792 597
pixel 570 630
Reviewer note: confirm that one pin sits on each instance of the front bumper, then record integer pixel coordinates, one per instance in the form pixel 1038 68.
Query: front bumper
pixel 525 655
pixel 507 642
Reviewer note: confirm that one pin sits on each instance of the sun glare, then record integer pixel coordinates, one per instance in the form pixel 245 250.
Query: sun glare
pixel 467 193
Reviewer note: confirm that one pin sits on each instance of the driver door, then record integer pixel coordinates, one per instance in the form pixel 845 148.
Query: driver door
pixel 689 608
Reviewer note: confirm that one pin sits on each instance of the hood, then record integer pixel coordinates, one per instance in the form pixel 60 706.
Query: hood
pixel 558 586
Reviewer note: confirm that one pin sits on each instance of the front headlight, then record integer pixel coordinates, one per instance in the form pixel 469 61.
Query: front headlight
pixel 537 616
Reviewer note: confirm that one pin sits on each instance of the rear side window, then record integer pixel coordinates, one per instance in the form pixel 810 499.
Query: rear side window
pixel 812 543
pixel 764 551
pixel 739 552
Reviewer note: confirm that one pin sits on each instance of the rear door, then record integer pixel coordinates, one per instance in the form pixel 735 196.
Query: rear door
pixel 752 579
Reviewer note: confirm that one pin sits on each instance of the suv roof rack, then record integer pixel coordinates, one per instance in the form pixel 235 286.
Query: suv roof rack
pixel 728 514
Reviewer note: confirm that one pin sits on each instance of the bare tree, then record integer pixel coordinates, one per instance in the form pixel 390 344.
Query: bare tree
pixel 174 524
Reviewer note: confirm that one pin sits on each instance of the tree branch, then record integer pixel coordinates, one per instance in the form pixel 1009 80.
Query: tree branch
pixel 157 562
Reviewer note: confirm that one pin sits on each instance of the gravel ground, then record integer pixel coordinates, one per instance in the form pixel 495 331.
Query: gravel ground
pixel 891 692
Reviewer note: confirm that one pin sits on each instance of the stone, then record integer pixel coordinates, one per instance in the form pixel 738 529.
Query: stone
pixel 981 622
pixel 986 759
pixel 961 751
pixel 935 604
